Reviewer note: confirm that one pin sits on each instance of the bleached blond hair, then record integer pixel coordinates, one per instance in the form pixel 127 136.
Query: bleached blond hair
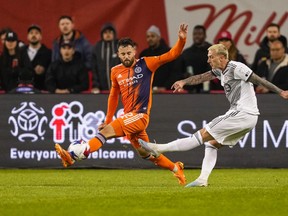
pixel 219 49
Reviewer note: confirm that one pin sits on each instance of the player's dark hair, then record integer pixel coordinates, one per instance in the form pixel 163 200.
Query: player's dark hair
pixel 126 42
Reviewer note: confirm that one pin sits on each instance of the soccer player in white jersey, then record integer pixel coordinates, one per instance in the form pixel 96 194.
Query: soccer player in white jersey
pixel 237 80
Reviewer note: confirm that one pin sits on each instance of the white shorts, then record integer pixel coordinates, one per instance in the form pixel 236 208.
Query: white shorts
pixel 229 128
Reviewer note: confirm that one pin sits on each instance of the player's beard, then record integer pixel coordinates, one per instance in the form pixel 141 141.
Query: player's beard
pixel 127 62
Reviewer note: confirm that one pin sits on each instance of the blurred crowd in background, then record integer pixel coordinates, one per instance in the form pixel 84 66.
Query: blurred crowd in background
pixel 74 65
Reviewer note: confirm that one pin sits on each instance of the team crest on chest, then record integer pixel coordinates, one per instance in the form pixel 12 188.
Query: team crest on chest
pixel 138 69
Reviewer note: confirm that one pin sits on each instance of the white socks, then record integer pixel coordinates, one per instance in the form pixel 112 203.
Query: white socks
pixel 209 161
pixel 183 144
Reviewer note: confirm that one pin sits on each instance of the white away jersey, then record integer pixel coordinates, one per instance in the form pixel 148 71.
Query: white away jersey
pixel 239 92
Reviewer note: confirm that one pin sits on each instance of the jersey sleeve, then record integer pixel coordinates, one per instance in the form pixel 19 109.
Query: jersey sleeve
pixel 154 62
pixel 242 72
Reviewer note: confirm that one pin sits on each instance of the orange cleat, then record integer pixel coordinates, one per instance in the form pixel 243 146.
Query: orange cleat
pixel 66 158
pixel 180 174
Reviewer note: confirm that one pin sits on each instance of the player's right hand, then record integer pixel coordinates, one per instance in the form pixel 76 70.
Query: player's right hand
pixel 284 94
pixel 178 86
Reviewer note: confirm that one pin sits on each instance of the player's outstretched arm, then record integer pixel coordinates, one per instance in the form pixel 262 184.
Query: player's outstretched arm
pixel 192 80
pixel 255 79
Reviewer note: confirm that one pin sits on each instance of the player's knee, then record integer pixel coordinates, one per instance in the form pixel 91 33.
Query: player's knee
pixel 108 131
pixel 213 144
pixel 206 136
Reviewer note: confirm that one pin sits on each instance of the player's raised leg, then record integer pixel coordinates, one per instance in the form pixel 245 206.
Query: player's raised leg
pixel 183 144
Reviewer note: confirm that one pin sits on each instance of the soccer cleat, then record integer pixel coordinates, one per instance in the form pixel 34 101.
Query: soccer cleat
pixel 180 174
pixel 198 183
pixel 148 147
pixel 66 158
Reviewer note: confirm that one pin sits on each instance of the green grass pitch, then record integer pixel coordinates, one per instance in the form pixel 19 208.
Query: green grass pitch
pixel 142 192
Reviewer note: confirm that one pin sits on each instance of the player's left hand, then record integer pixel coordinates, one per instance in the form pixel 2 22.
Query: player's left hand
pixel 183 31
pixel 284 94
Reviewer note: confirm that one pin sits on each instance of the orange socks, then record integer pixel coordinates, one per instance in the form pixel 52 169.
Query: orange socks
pixel 163 161
pixel 96 142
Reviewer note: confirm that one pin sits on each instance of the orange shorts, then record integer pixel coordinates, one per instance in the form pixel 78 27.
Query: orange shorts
pixel 132 125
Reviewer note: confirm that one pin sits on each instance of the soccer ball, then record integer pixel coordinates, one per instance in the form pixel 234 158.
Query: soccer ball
pixel 79 150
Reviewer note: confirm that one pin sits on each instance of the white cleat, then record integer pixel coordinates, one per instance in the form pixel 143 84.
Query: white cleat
pixel 198 183
pixel 149 147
